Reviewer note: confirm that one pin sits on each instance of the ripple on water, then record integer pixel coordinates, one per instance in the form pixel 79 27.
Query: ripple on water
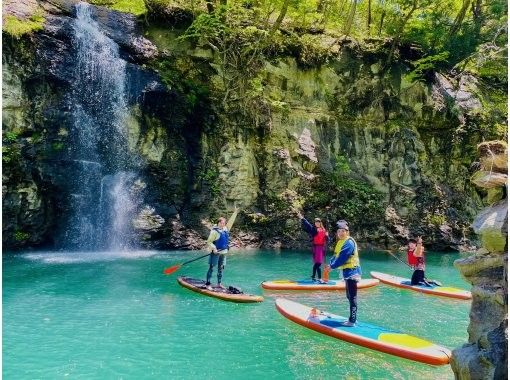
pixel 88 256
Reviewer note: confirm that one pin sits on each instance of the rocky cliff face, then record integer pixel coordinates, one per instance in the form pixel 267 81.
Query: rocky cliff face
pixel 395 151
pixel 39 184
pixel 485 356
pixel 348 138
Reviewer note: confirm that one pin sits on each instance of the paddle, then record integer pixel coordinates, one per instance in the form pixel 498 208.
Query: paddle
pixel 410 267
pixel 174 268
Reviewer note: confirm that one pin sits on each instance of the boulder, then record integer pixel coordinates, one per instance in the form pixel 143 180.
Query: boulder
pixel 494 156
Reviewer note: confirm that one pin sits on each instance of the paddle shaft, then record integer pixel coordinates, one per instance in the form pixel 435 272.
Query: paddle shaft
pixel 410 267
pixel 198 258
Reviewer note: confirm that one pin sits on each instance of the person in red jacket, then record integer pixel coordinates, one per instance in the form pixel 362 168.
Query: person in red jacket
pixel 416 259
pixel 319 243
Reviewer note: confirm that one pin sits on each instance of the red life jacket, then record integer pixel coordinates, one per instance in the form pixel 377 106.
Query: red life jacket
pixel 320 237
pixel 411 258
pixel 415 261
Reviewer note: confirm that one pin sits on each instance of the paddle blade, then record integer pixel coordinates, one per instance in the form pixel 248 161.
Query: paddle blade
pixel 171 270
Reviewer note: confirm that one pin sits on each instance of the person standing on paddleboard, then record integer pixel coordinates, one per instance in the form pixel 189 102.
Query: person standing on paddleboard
pixel 218 242
pixel 346 258
pixel 319 243
pixel 416 259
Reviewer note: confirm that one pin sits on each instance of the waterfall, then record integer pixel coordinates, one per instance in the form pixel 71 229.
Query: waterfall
pixel 101 203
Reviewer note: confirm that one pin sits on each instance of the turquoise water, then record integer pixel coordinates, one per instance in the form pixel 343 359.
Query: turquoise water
pixel 116 316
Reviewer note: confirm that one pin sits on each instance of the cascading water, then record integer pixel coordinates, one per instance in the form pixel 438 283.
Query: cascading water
pixel 101 203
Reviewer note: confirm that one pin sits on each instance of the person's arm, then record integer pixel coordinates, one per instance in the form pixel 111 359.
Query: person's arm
pixel 312 230
pixel 329 240
pixel 232 219
pixel 345 253
pixel 418 252
pixel 213 236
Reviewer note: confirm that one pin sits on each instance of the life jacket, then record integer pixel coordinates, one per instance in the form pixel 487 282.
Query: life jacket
pixel 353 260
pixel 414 261
pixel 320 237
pixel 222 242
pixel 411 258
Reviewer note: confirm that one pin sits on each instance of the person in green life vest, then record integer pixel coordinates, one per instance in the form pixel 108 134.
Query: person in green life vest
pixel 218 243
pixel 346 258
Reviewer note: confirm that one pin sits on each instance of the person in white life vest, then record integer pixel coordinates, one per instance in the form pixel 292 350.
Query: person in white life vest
pixel 346 258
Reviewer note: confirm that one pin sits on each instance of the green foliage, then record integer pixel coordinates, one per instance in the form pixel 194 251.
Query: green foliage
pixel 491 122
pixel 17 28
pixel 455 27
pixel 57 146
pixel 136 7
pixel 210 180
pixel 10 136
pixel 340 195
pixel 178 76
pixel 8 154
pixel 312 52
pixel 11 151
pixel 423 67
pixel 436 220
pixel 36 138
pixel 206 28
pixel 279 218
pixel 341 166
pixel 20 236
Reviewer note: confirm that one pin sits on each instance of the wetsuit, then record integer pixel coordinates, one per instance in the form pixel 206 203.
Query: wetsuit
pixel 346 258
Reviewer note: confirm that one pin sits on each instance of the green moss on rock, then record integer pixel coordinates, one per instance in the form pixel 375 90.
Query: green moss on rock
pixel 17 28
pixel 136 7
pixel 21 236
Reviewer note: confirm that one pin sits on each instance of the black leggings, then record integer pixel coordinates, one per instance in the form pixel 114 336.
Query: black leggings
pixel 351 291
pixel 317 269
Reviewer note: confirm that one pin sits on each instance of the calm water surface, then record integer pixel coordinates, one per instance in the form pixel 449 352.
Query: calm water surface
pixel 105 315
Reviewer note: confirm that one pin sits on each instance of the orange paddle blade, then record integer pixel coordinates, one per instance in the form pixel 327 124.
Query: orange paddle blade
pixel 171 270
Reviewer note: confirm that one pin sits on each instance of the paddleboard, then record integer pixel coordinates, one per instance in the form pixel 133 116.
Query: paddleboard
pixel 224 294
pixel 401 282
pixel 312 285
pixel 365 334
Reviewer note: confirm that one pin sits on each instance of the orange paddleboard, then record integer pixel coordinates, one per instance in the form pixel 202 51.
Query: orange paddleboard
pixel 310 285
pixel 224 294
pixel 401 282
pixel 365 334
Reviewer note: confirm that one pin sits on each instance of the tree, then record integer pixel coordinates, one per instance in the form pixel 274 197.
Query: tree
pixel 369 16
pixel 281 16
pixel 412 6
pixel 350 17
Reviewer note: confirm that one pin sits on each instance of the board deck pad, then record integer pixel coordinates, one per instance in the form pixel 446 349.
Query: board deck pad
pixel 308 284
pixel 365 334
pixel 227 294
pixel 201 285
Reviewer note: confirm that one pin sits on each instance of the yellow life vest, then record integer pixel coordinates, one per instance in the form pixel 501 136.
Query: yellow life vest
pixel 353 260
